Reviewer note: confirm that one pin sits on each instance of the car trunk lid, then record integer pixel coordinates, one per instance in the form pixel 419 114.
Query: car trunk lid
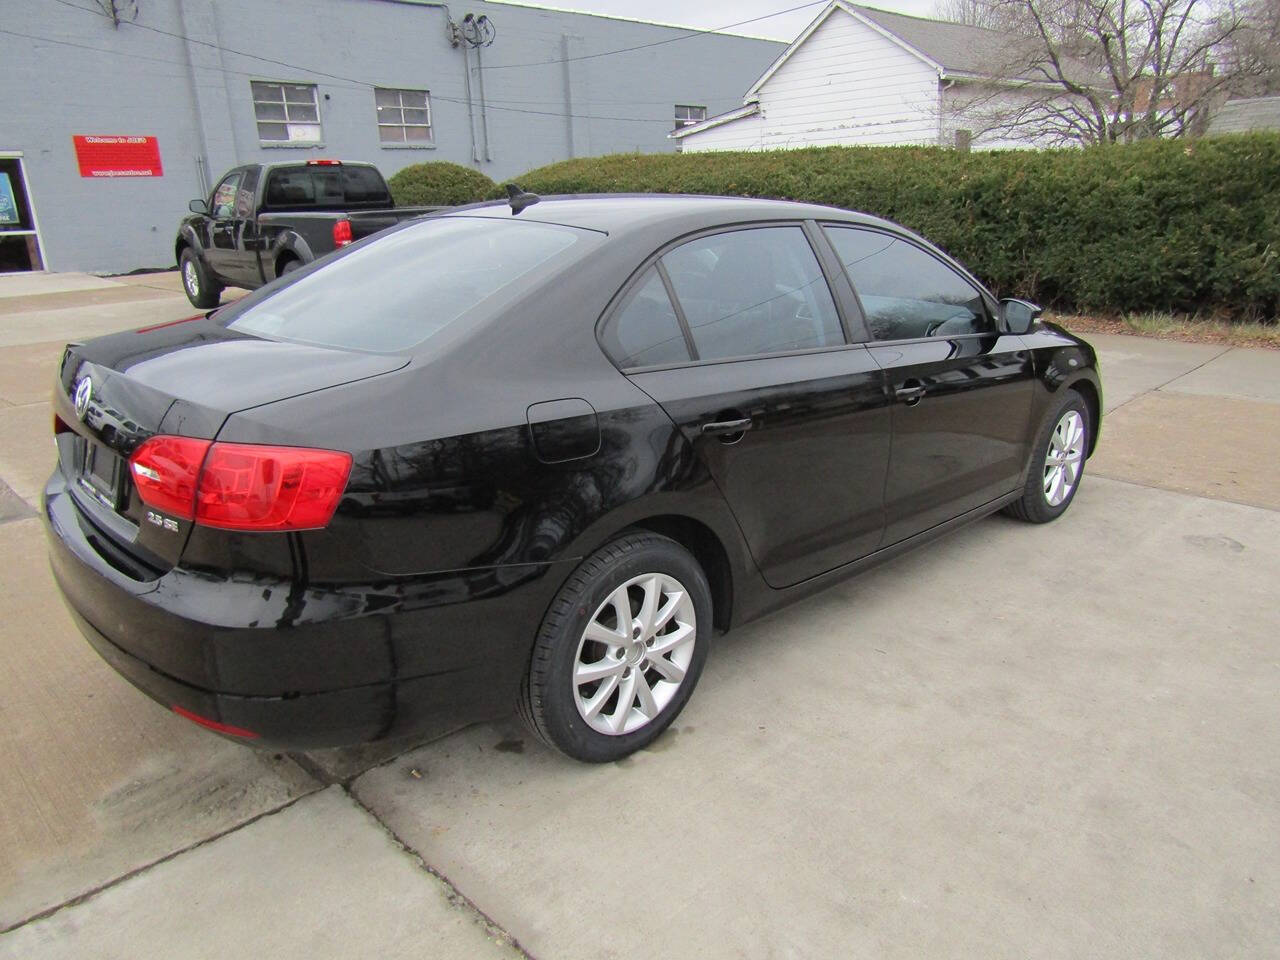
pixel 182 379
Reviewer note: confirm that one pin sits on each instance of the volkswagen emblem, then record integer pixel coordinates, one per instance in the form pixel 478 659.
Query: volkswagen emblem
pixel 84 393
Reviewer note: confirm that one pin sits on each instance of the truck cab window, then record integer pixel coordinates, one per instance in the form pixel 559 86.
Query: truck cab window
pixel 224 197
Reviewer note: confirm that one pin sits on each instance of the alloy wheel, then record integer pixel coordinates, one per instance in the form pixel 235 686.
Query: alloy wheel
pixel 634 654
pixel 191 278
pixel 1064 457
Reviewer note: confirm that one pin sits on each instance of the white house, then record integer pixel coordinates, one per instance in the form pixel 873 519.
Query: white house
pixel 861 76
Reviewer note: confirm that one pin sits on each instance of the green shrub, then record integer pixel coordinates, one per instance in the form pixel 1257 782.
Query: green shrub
pixel 1191 226
pixel 438 184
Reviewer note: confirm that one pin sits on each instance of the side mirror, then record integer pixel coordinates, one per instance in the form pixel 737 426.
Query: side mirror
pixel 198 206
pixel 1017 316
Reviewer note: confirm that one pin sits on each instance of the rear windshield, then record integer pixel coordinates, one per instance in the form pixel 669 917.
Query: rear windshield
pixel 334 186
pixel 396 290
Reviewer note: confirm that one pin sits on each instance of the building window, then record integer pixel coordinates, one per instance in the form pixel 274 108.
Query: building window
pixel 286 112
pixel 687 116
pixel 404 116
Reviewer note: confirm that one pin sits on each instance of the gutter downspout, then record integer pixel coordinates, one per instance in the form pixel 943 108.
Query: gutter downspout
pixel 471 110
pixel 484 111
pixel 944 84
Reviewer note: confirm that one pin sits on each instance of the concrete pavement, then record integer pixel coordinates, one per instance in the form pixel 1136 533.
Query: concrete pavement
pixel 1025 741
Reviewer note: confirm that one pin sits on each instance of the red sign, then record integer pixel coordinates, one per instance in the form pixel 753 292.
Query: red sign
pixel 118 156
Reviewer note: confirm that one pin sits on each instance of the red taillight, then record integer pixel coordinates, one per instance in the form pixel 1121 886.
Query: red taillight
pixel 248 487
pixel 240 486
pixel 324 163
pixel 214 724
pixel 165 471
pixel 342 233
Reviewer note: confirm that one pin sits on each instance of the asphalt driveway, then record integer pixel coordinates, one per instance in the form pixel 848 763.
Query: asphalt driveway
pixel 1022 741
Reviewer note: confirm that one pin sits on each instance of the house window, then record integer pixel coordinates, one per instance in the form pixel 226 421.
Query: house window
pixel 286 112
pixel 687 116
pixel 404 116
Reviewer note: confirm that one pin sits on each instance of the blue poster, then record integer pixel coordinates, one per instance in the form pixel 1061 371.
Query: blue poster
pixel 8 206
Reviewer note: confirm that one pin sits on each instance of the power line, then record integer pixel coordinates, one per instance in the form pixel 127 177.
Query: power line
pixel 655 43
pixel 349 82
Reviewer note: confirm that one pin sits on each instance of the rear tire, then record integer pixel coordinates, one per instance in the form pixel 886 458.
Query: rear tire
pixel 1057 462
pixel 289 266
pixel 620 650
pixel 201 289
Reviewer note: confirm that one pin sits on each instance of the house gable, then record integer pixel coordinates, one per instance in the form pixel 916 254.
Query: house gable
pixel 843 81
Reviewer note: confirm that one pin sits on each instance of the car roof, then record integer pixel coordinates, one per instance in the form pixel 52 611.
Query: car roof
pixel 618 212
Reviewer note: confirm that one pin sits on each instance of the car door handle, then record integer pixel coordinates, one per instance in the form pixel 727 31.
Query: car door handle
pixel 909 392
pixel 721 428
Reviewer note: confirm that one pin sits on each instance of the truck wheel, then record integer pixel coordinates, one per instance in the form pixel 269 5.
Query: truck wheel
pixel 289 266
pixel 201 289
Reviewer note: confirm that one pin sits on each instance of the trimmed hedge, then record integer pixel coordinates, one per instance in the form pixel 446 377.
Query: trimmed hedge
pixel 438 184
pixel 1186 225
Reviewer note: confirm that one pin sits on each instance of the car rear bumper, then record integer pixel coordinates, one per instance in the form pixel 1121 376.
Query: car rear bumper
pixel 281 666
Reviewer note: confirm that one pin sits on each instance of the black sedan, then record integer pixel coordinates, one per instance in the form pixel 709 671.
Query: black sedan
pixel 538 454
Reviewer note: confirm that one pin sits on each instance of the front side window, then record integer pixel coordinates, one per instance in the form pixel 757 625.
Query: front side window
pixel 751 292
pixel 224 196
pixel 286 112
pixel 687 116
pixel 404 116
pixel 401 288
pixel 646 331
pixel 907 293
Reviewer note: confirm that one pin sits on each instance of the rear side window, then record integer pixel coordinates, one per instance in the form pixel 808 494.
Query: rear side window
pixel 906 292
pixel 404 286
pixel 324 187
pixel 751 292
pixel 646 332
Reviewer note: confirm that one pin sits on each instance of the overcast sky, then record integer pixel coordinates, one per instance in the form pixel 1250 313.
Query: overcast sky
pixel 719 13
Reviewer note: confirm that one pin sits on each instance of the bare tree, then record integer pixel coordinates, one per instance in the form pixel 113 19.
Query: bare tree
pixel 1104 71
pixel 1251 57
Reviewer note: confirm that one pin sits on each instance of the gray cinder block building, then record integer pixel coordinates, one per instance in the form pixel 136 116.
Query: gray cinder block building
pixel 117 112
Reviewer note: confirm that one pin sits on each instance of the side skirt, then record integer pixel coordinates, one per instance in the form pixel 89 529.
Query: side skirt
pixel 765 599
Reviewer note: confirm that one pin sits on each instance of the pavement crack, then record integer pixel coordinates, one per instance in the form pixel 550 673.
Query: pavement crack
pixel 456 897
pixel 94 891
pixel 1160 386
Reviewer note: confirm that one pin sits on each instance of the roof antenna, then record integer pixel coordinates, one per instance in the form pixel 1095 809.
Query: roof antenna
pixel 519 199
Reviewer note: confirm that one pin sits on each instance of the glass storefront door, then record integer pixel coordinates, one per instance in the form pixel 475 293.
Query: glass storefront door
pixel 19 242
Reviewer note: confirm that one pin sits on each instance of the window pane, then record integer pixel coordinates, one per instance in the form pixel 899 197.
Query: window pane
pixel 386 98
pixel 408 284
pixel 269 111
pixel 905 292
pixel 391 134
pixel 363 185
pixel 646 332
pixel 416 116
pixel 300 94
pixel 413 98
pixel 390 115
pixel 224 197
pixel 303 133
pixel 290 187
pixel 273 131
pixel 753 291
pixel 267 91
pixel 328 186
pixel 303 112
pixel 417 134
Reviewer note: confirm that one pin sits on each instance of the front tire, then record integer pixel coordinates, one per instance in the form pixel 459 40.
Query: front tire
pixel 201 289
pixel 620 650
pixel 1057 463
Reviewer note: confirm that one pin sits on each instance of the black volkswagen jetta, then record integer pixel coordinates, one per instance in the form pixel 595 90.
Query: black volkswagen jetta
pixel 538 455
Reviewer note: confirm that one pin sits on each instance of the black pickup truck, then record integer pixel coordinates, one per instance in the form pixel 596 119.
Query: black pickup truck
pixel 265 219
